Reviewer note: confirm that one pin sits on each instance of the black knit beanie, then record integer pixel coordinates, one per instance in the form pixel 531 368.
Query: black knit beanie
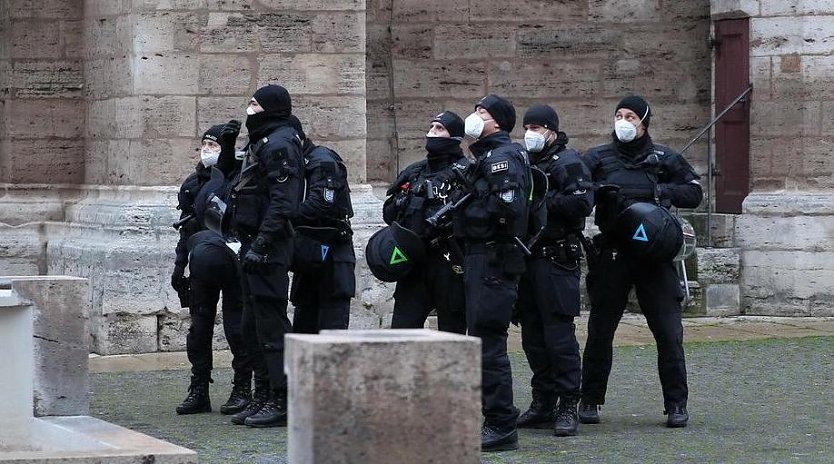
pixel 501 110
pixel 542 115
pixel 452 122
pixel 213 133
pixel 638 105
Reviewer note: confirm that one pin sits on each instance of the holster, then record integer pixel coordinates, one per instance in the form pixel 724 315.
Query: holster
pixel 184 293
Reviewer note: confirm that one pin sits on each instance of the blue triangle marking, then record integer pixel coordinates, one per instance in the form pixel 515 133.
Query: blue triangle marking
pixel 324 250
pixel 640 234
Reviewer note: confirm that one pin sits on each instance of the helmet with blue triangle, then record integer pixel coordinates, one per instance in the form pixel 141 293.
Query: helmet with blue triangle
pixel 645 230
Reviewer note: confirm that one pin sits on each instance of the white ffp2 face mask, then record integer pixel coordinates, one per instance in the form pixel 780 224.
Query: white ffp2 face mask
pixel 250 111
pixel 239 155
pixel 626 132
pixel 534 141
pixel 209 157
pixel 473 126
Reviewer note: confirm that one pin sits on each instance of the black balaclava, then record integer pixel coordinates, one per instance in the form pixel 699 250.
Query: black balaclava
pixel 277 105
pixel 502 111
pixel 442 151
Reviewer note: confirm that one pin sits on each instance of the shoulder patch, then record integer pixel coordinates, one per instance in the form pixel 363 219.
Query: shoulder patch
pixel 499 166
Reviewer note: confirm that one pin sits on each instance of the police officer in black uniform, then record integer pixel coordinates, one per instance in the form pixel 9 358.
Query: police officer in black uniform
pixel 494 224
pixel 324 260
pixel 548 298
pixel 634 169
pixel 263 202
pixel 416 195
pixel 213 269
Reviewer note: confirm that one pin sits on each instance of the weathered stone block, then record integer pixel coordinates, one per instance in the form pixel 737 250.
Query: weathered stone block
pixel 412 41
pixel 36 118
pixel 46 161
pixel 718 265
pixel 381 160
pixel 108 77
pixel 61 315
pixel 226 74
pixel 530 11
pixel 173 74
pixel 217 110
pixel 164 32
pixel 124 333
pixel 315 74
pixel 410 11
pixel 339 32
pixel 442 79
pixel 614 10
pixel 314 5
pixel 785 35
pixel 722 300
pixel 582 41
pixel 160 161
pixel 72 39
pixel 107 36
pixel 31 39
pixel 802 8
pixel 720 9
pixel 328 118
pixel 543 79
pixel 47 79
pixel 114 118
pixel 403 387
pixel 171 116
pixel 453 42
pixel 57 9
pixel 21 251
pixel 97 8
pixel 229 33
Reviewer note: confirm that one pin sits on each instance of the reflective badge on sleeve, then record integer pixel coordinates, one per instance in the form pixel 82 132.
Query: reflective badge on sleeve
pixel 508 195
pixel 499 166
pixel 329 195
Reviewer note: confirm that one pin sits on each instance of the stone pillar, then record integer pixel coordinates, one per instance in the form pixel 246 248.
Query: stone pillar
pixel 383 396
pixel 784 229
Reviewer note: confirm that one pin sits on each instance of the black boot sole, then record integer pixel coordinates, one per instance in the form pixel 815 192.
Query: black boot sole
pixel 204 409
pixel 264 425
pixel 228 411
pixel 500 447
pixel 564 432
pixel 545 424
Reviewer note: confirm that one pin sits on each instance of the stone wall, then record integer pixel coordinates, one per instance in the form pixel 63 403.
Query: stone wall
pixel 579 56
pixel 785 230
pixel 41 92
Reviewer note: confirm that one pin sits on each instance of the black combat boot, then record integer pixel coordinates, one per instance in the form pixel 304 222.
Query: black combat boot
pixel 540 414
pixel 198 399
pixel 588 413
pixel 240 397
pixel 676 416
pixel 259 399
pixel 498 438
pixel 567 420
pixel 272 414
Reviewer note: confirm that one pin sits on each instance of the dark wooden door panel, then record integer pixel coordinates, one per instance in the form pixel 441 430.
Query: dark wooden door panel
pixel 732 132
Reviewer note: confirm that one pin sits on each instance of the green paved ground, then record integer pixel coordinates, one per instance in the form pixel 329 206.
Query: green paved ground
pixel 763 401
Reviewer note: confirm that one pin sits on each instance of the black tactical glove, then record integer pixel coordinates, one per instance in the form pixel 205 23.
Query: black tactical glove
pixel 255 259
pixel 177 277
pixel 228 136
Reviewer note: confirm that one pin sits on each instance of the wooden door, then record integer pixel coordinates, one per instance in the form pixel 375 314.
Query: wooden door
pixel 732 132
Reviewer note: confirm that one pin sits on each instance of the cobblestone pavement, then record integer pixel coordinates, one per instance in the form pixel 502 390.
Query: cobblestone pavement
pixel 760 391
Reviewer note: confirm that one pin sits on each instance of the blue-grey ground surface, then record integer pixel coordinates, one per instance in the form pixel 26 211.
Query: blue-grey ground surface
pixel 750 401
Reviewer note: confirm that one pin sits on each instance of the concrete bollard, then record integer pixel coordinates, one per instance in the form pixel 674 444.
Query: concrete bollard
pixel 383 396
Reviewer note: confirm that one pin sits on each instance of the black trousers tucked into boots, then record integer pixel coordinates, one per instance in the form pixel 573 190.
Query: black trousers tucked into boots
pixel 491 293
pixel 659 293
pixel 433 286
pixel 214 270
pixel 265 320
pixel 548 301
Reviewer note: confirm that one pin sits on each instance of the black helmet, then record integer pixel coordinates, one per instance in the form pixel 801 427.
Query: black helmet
pixel 216 216
pixel 393 252
pixel 649 231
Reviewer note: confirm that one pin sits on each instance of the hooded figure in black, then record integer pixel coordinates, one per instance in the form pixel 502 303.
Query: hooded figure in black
pixel 493 224
pixel 264 201
pixel 419 191
pixel 630 169
pixel 324 261
pixel 213 269
pixel 548 298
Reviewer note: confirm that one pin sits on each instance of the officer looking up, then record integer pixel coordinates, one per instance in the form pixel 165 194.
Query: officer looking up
pixel 548 298
pixel 417 194
pixel 264 200
pixel 633 170
pixel 213 269
pixel 323 263
pixel 493 224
